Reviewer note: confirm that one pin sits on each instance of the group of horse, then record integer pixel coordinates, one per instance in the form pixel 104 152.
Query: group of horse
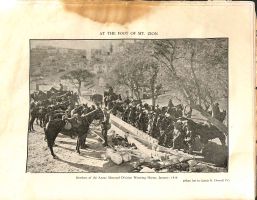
pixel 49 103
pixel 60 112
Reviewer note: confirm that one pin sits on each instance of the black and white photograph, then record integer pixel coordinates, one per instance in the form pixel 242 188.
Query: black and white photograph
pixel 128 106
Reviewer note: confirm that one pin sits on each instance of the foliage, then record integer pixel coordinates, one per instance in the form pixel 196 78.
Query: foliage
pixel 199 69
pixel 135 68
pixel 76 77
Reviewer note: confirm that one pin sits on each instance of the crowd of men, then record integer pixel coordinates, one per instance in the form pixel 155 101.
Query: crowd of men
pixel 166 124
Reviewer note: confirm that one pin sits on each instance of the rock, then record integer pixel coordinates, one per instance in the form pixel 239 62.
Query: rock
pixel 164 157
pixel 156 157
pixel 215 154
pixel 174 159
pixel 168 162
pixel 126 157
pixel 146 159
pixel 164 170
pixel 207 168
pixel 200 168
pixel 192 163
pixel 194 169
pixel 183 159
pixel 182 166
pixel 135 164
pixel 116 158
pixel 109 151
pixel 103 156
pixel 147 170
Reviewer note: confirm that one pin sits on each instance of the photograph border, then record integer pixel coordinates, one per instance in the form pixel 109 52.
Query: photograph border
pixel 75 39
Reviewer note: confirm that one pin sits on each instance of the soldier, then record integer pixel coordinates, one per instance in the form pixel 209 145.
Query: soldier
pixel 127 101
pixel 178 136
pixel 189 140
pixel 150 122
pixel 215 110
pixel 170 104
pixel 105 125
pixel 126 113
pixel 110 90
pixel 61 87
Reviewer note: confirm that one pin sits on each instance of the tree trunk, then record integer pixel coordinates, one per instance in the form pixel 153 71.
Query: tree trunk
pixel 186 93
pixel 153 86
pixel 79 88
pixel 132 93
pixel 195 79
pixel 137 92
pixel 153 101
pixel 222 127
pixel 153 95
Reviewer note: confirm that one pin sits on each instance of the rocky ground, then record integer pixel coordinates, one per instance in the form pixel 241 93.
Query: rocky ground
pixel 92 159
pixel 120 157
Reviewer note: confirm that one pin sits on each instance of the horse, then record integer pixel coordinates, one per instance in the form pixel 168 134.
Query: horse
pixel 117 108
pixel 178 110
pixel 33 116
pixel 205 131
pixel 53 90
pixel 42 111
pixel 81 127
pixel 97 98
pixel 38 95
pixel 221 116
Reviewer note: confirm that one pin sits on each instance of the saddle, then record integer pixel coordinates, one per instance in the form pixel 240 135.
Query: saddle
pixel 73 122
pixel 67 126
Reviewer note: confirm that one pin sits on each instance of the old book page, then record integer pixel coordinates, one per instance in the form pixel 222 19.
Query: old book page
pixel 142 100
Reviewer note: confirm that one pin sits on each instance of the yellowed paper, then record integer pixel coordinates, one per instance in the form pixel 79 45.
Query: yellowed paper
pixel 23 21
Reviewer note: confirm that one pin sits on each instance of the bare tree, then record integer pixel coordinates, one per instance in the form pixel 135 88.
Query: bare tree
pixel 199 70
pixel 135 68
pixel 127 69
pixel 76 77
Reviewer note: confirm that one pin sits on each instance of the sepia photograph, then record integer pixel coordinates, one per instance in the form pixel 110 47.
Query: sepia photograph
pixel 128 106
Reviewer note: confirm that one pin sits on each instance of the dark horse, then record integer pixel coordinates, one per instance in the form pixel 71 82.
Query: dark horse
pixel 206 132
pixel 54 127
pixel 97 98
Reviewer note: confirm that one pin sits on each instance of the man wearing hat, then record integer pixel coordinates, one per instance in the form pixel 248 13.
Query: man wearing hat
pixel 61 87
pixel 105 125
pixel 215 110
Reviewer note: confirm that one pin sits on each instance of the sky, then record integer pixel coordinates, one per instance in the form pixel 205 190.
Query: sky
pixel 74 44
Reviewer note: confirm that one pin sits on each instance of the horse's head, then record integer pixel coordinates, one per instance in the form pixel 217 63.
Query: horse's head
pixel 179 107
pixel 106 93
pixel 222 115
pixel 96 114
pixel 178 125
pixel 93 107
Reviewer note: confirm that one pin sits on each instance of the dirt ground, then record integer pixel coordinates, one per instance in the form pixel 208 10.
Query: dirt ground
pixel 92 159
pixel 89 160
